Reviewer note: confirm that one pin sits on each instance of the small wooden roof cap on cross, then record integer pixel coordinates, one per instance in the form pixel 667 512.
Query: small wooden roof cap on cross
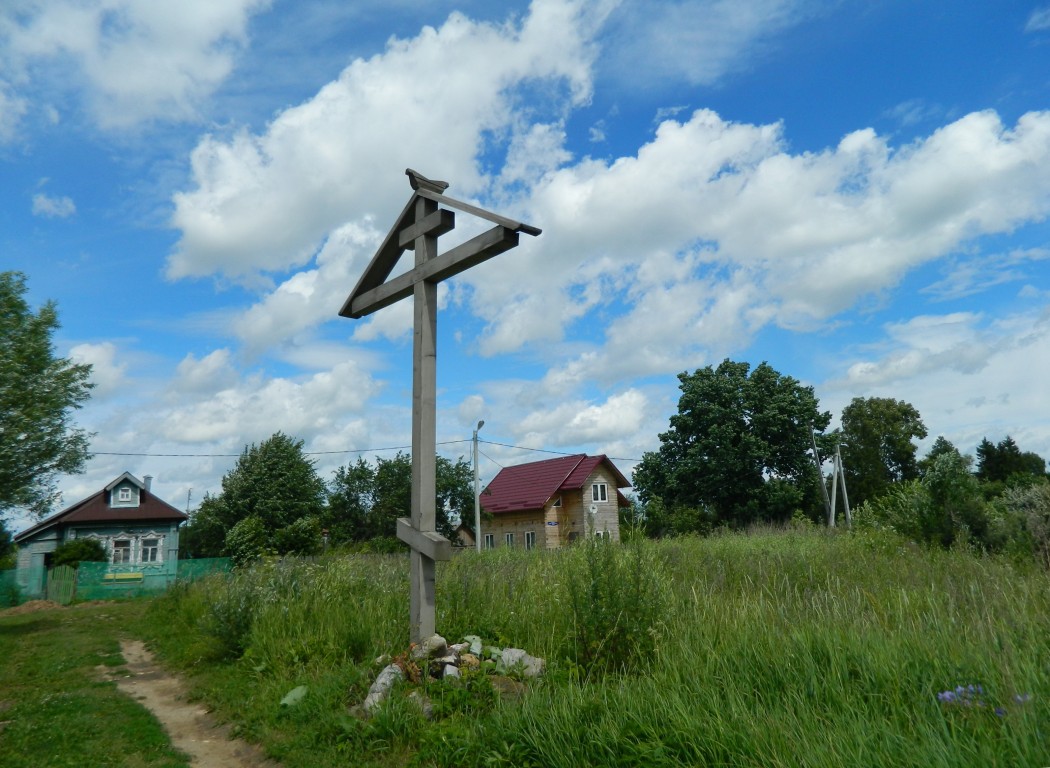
pixel 374 291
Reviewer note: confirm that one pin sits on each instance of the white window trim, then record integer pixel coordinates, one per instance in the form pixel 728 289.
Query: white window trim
pixel 490 541
pixel 130 549
pixel 136 540
pixel 124 493
pixel 508 539
pixel 599 492
pixel 530 539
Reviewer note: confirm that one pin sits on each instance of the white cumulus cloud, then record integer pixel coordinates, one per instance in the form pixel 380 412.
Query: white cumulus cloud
pixel 132 60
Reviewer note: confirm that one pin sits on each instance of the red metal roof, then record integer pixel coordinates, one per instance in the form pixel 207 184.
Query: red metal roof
pixel 96 509
pixel 531 486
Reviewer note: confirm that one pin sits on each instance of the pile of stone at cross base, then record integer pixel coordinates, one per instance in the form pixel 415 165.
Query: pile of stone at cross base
pixel 434 658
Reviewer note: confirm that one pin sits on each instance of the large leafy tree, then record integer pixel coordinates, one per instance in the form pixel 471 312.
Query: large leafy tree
pixel 877 447
pixel 273 491
pixel 364 502
pixel 738 449
pixel 38 393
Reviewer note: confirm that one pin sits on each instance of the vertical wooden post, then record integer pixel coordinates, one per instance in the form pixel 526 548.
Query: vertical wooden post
pixel 418 228
pixel 424 432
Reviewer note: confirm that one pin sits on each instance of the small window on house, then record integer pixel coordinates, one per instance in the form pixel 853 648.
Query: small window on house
pixel 599 492
pixel 490 541
pixel 122 551
pixel 124 494
pixel 150 550
pixel 530 539
pixel 557 502
pixel 601 534
pixel 509 539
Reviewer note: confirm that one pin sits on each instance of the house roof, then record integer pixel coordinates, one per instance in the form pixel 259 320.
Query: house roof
pixel 531 486
pixel 96 509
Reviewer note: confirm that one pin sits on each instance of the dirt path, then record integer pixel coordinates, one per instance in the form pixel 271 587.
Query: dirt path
pixel 189 725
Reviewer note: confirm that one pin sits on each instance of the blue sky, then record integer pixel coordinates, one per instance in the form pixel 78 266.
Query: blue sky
pixel 856 192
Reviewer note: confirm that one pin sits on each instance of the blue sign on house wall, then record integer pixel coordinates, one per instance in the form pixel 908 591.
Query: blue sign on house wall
pixel 552 522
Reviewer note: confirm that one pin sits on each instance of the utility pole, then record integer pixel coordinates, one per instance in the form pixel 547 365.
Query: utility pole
pixel 189 495
pixel 823 488
pixel 842 479
pixel 477 490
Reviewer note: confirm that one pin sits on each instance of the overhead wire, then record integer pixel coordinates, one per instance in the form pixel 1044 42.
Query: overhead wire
pixel 349 450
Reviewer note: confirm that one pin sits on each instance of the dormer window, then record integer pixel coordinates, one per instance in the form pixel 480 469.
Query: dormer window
pixel 124 494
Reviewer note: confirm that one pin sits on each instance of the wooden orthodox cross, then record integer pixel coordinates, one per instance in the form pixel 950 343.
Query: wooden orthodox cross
pixel 425 218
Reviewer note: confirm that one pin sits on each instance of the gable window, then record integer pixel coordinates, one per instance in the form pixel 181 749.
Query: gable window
pixel 530 539
pixel 599 492
pixel 121 551
pixel 490 541
pixel 150 550
pixel 509 539
pixel 557 502
pixel 124 494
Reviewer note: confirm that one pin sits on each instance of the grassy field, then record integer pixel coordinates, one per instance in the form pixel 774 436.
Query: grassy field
pixel 54 708
pixel 778 648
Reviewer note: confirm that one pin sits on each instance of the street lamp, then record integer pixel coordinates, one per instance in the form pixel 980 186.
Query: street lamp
pixel 477 490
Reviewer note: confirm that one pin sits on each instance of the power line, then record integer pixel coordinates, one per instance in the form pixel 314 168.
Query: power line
pixel 547 450
pixel 237 455
pixel 348 450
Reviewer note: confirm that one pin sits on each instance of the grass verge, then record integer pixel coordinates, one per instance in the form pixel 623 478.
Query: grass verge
pixel 54 708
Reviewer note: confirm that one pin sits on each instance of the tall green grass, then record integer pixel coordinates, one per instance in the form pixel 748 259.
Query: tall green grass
pixel 776 648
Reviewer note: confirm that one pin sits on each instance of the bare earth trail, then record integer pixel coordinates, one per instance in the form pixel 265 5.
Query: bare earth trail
pixel 189 725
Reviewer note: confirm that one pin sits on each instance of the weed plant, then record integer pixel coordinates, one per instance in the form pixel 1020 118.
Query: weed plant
pixel 774 648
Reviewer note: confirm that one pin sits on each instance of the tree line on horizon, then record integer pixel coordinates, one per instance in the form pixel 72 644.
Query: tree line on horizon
pixel 739 451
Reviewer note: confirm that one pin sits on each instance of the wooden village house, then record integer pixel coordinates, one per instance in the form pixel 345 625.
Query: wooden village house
pixel 139 531
pixel 547 504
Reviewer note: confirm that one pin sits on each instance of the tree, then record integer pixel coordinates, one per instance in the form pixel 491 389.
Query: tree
pixel 942 508
pixel 275 485
pixel 273 481
pixel 1003 460
pixel 877 447
pixel 365 502
pixel 8 556
pixel 38 393
pixel 940 447
pixel 205 534
pixel 738 450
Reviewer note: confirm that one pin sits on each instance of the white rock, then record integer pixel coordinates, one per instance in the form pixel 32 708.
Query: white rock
pixel 380 689
pixel 516 658
pixel 430 648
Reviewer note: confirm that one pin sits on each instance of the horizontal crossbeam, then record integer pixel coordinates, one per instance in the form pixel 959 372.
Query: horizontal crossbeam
pixel 464 256
pixel 429 543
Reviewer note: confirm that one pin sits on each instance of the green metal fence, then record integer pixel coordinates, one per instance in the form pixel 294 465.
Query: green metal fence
pixel 102 581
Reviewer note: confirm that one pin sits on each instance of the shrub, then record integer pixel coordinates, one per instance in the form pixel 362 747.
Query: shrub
pixel 617 595
pixel 247 541
pixel 78 551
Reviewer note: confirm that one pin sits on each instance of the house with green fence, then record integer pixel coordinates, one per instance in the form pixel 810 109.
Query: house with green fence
pixel 139 531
